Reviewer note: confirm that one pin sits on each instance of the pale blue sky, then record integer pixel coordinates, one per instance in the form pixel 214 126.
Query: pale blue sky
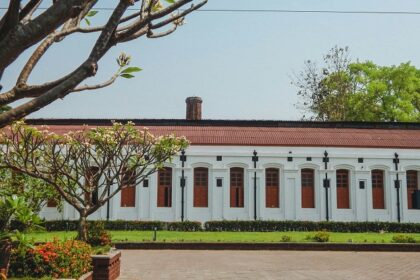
pixel 239 63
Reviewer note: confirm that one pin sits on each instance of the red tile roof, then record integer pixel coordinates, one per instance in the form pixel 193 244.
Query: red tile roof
pixel 281 134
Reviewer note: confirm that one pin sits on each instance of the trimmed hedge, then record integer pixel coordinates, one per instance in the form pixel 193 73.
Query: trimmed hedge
pixel 262 226
pixel 249 226
pixel 64 225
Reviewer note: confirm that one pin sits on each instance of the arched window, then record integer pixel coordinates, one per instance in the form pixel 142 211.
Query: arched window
pixel 308 188
pixel 412 188
pixel 201 187
pixel 164 197
pixel 378 189
pixel 343 189
pixel 272 188
pixel 237 187
pixel 128 191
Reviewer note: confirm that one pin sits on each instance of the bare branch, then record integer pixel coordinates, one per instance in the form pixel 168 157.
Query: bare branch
pixel 11 19
pixel 97 86
pixel 23 37
pixel 27 11
pixel 150 34
pixel 178 16
pixel 86 69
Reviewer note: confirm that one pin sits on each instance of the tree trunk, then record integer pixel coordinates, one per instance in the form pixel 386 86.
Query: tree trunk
pixel 82 231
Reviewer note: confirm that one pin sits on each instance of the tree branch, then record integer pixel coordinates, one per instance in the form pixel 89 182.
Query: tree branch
pixel 27 11
pixel 86 69
pixel 22 37
pixel 97 86
pixel 150 34
pixel 11 19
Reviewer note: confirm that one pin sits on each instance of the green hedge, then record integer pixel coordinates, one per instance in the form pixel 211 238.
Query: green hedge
pixel 257 226
pixel 262 226
pixel 64 225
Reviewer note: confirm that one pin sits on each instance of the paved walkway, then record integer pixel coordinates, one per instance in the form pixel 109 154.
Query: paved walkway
pixel 257 265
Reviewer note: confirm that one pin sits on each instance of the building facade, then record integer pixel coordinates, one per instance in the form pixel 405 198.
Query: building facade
pixel 272 170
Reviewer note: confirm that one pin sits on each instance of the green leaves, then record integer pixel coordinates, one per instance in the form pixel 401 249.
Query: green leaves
pixel 89 15
pixel 127 76
pixel 343 90
pixel 131 70
pixel 126 73
pixel 170 1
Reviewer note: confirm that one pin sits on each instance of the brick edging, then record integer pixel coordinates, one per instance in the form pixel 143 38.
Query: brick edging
pixel 270 246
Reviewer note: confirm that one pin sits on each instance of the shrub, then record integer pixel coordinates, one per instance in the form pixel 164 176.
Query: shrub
pixel 58 259
pixel 97 235
pixel 322 236
pixel 286 238
pixel 258 226
pixel 184 226
pixel 71 225
pixel 402 238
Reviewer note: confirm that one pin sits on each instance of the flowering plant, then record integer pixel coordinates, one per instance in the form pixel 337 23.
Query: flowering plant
pixel 97 235
pixel 58 259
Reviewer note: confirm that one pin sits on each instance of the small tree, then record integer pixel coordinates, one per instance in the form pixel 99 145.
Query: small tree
pixel 90 166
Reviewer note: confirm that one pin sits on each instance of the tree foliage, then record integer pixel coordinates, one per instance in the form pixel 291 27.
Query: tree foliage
pixel 343 90
pixel 24 26
pixel 90 166
pixel 35 192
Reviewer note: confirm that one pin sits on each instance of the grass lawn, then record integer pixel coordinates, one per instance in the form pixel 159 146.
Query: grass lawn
pixel 177 236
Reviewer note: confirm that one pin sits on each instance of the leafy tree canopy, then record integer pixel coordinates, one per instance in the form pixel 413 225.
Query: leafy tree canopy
pixel 344 90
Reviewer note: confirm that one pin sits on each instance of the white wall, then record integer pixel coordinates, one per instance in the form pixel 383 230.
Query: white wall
pixel 290 190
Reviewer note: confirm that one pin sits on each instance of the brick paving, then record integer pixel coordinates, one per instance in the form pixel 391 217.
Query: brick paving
pixel 295 265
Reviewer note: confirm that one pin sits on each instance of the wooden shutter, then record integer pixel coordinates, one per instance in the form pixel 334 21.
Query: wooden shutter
pixel 164 197
pixel 308 188
pixel 272 188
pixel 52 202
pixel 201 183
pixel 128 190
pixel 412 186
pixel 343 189
pixel 378 194
pixel 237 187
pixel 91 184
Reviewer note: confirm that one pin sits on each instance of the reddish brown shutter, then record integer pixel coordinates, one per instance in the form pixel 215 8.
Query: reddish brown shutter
pixel 272 189
pixel 91 183
pixel 308 188
pixel 378 194
pixel 412 186
pixel 237 187
pixel 52 202
pixel 201 190
pixel 128 191
pixel 343 189
pixel 164 197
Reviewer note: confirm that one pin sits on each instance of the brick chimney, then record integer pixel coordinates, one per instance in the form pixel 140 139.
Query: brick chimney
pixel 193 108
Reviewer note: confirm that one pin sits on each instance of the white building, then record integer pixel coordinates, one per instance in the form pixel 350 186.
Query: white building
pixel 285 180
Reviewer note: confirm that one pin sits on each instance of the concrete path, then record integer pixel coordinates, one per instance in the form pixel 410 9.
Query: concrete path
pixel 258 265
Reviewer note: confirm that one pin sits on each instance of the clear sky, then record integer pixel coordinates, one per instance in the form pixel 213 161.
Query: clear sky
pixel 239 63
